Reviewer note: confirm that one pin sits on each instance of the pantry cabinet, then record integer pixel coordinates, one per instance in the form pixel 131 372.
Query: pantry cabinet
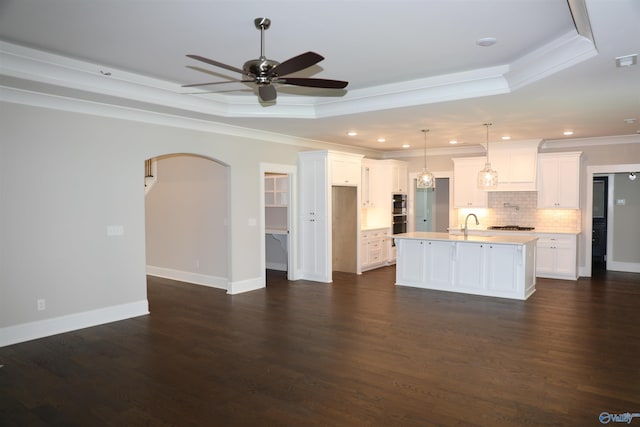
pixel 318 171
pixel 466 193
pixel 559 180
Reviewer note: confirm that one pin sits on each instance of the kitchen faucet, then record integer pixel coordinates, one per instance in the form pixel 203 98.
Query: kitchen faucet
pixel 466 227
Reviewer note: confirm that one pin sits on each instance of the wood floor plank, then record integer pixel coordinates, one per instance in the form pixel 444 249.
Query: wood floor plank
pixel 360 351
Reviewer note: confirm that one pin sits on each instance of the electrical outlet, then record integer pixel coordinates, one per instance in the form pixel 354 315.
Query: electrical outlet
pixel 41 304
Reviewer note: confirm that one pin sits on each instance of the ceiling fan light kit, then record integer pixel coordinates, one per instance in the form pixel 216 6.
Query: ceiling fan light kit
pixel 265 72
pixel 487 177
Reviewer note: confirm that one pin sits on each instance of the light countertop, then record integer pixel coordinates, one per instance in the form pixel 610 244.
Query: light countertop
pixel 502 238
pixel 484 230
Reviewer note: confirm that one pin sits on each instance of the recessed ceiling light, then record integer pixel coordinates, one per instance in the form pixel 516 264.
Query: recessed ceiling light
pixel 486 41
pixel 453 142
pixel 567 132
pixel 506 137
pixel 381 140
pixel 627 60
pixel 405 146
pixel 352 133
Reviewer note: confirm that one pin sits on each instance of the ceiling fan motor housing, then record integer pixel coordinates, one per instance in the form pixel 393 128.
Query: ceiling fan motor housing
pixel 260 68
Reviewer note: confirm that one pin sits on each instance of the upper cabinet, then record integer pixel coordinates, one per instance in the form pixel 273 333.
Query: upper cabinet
pixel 466 193
pixel 368 183
pixel 399 175
pixel 559 180
pixel 516 163
pixel 344 169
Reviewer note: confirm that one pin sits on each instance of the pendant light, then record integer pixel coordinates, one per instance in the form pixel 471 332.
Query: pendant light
pixel 425 178
pixel 487 178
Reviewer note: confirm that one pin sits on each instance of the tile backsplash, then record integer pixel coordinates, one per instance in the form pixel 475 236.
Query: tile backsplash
pixel 519 208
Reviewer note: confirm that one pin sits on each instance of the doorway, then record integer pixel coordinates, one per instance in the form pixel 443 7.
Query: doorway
pixel 344 229
pixel 424 209
pixel 431 208
pixel 278 231
pixel 599 223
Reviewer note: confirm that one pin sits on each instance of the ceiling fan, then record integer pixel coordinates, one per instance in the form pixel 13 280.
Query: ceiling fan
pixel 265 72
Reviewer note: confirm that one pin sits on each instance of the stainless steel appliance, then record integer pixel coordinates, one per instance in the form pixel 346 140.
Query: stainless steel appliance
pixel 399 214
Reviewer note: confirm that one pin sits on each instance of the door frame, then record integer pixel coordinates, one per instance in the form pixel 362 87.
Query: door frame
pixel 292 246
pixel 588 216
pixel 411 212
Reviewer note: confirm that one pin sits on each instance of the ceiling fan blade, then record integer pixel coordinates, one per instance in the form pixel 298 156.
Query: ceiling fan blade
pixel 267 93
pixel 216 63
pixel 310 82
pixel 218 83
pixel 296 63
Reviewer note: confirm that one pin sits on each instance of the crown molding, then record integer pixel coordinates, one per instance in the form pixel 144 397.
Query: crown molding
pixel 29 64
pixel 448 151
pixel 590 142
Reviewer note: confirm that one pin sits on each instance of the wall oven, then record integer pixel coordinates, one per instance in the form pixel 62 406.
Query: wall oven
pixel 399 214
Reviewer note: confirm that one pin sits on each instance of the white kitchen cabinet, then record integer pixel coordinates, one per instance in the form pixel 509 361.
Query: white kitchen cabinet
pixel 345 169
pixel 411 270
pixel 470 266
pixel 374 251
pixel 466 193
pixel 557 256
pixel 316 174
pixel 276 190
pixel 397 173
pixel 369 183
pixel 481 265
pixel 491 267
pixel 516 163
pixel 427 262
pixel 438 263
pixel 559 180
pixel 314 214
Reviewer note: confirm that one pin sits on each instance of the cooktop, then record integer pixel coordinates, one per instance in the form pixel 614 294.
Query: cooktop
pixel 510 228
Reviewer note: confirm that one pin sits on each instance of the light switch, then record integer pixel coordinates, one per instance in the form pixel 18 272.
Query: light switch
pixel 115 230
pixel 252 222
pixel 621 202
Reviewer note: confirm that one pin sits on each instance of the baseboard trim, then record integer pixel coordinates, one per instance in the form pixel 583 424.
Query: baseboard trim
pixel 245 286
pixel 187 276
pixel 629 267
pixel 57 325
pixel 279 266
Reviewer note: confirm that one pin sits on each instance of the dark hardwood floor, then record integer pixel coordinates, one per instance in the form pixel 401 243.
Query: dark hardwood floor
pixel 358 352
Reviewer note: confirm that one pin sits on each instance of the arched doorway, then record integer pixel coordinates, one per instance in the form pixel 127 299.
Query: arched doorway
pixel 187 219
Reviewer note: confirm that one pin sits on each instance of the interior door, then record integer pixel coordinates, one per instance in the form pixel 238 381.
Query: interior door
pixel 424 209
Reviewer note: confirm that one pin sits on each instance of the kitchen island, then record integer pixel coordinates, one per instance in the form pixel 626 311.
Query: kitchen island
pixel 497 266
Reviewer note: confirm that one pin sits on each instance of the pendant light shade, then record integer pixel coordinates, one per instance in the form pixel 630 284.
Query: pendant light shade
pixel 487 177
pixel 425 178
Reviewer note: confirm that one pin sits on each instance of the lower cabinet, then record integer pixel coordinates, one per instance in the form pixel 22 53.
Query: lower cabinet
pixel 487 266
pixel 426 261
pixel 557 256
pixel 499 270
pixel 375 248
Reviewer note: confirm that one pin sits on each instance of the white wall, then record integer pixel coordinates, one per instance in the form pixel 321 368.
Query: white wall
pixel 626 237
pixel 65 177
